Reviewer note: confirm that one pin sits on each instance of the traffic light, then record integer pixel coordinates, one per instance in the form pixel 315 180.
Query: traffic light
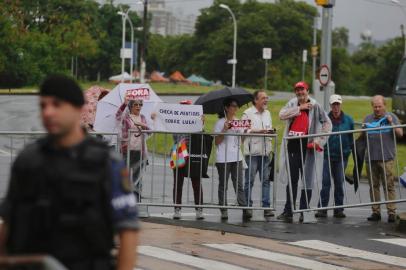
pixel 322 2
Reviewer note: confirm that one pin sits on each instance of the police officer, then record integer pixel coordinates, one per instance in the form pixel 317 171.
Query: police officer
pixel 68 194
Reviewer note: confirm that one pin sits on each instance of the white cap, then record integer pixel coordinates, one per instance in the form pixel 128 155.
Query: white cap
pixel 335 99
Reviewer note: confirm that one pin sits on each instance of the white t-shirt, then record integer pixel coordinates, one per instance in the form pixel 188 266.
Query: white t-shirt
pixel 258 146
pixel 233 145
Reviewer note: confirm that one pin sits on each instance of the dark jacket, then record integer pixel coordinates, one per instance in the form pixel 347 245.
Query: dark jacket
pixel 58 203
pixel 344 123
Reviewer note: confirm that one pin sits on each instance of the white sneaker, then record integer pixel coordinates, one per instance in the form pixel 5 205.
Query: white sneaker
pixel 176 215
pixel 199 214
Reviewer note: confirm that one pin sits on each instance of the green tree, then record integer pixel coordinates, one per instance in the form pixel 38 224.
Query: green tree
pixel 341 37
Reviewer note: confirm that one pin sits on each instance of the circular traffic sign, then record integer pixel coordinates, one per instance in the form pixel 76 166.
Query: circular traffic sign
pixel 324 75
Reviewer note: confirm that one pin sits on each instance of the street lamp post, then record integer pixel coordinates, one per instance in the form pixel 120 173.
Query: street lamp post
pixel 402 26
pixel 144 43
pixel 122 45
pixel 126 17
pixel 234 60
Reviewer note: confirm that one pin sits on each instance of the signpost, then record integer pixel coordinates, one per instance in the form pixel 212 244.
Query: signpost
pixel 324 75
pixel 304 61
pixel 266 55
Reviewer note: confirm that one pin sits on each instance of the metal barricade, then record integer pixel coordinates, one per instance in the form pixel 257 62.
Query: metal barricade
pixel 156 184
pixel 12 142
pixel 381 168
pixel 32 262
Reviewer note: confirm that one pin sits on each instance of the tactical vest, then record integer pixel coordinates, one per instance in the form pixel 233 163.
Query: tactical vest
pixel 62 206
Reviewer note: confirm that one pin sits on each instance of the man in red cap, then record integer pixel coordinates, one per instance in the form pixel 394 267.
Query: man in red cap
pixel 304 156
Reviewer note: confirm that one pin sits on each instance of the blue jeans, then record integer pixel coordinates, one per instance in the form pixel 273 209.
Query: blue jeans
pixel 257 164
pixel 339 177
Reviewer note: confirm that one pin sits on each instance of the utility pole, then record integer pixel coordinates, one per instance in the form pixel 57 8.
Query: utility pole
pixel 122 48
pixel 144 44
pixel 402 29
pixel 314 51
pixel 326 44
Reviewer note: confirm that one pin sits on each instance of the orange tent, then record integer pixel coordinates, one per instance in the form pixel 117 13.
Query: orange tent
pixel 177 77
pixel 157 77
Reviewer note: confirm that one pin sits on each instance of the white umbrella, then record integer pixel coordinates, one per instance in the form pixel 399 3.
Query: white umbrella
pixel 107 107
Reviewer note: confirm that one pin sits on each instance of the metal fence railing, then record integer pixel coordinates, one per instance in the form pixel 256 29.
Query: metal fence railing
pixel 375 162
pixel 12 142
pixel 159 185
pixel 37 262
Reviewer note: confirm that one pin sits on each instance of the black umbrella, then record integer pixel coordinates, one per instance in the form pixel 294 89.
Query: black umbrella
pixel 212 102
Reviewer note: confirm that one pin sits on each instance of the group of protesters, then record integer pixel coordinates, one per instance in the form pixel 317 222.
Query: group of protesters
pixel 305 158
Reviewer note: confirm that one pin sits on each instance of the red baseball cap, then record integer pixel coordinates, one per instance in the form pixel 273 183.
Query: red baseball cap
pixel 302 84
pixel 186 102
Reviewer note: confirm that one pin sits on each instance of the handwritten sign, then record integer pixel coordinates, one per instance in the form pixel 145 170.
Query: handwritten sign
pixel 138 94
pixel 240 124
pixel 178 118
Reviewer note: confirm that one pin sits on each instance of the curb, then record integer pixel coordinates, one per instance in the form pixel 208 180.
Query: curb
pixel 401 222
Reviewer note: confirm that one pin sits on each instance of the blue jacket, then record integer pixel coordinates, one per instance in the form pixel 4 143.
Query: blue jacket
pixel 344 123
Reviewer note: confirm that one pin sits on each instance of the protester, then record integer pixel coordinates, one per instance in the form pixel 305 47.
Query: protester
pixel 136 145
pixel 381 153
pixel 68 193
pixel 257 150
pixel 229 158
pixel 303 116
pixel 336 156
pixel 179 173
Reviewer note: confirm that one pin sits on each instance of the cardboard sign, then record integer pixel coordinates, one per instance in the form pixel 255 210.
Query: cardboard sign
pixel 240 124
pixel 178 118
pixel 138 94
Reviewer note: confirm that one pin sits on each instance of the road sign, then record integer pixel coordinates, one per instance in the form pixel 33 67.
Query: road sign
pixel 126 53
pixel 304 57
pixel 324 75
pixel 315 51
pixel 267 53
pixel 232 61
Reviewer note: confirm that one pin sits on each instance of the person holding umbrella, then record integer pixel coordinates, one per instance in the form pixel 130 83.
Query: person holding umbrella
pixel 229 157
pixel 133 120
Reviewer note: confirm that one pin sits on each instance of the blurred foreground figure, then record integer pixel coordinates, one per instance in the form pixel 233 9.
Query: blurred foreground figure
pixel 68 194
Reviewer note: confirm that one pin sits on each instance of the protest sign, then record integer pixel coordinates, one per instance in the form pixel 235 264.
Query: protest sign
pixel 240 124
pixel 138 94
pixel 178 118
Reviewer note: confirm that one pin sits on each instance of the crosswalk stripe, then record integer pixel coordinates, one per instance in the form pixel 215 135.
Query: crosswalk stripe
pixel 393 241
pixel 275 257
pixel 201 263
pixel 351 252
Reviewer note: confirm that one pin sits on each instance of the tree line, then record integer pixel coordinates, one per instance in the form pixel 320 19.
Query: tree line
pixel 83 38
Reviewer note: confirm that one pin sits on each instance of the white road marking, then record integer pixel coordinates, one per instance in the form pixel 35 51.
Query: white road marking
pixel 275 257
pixel 351 252
pixel 177 257
pixel 393 241
pixel 170 215
pixel 3 152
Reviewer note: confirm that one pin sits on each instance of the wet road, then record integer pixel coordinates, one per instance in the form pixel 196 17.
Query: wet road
pixel 20 113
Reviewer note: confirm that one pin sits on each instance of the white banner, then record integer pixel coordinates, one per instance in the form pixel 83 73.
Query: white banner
pixel 178 118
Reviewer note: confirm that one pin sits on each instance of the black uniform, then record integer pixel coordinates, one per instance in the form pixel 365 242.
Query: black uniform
pixel 68 203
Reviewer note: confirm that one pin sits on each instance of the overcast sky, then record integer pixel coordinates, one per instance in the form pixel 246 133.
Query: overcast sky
pixel 382 17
